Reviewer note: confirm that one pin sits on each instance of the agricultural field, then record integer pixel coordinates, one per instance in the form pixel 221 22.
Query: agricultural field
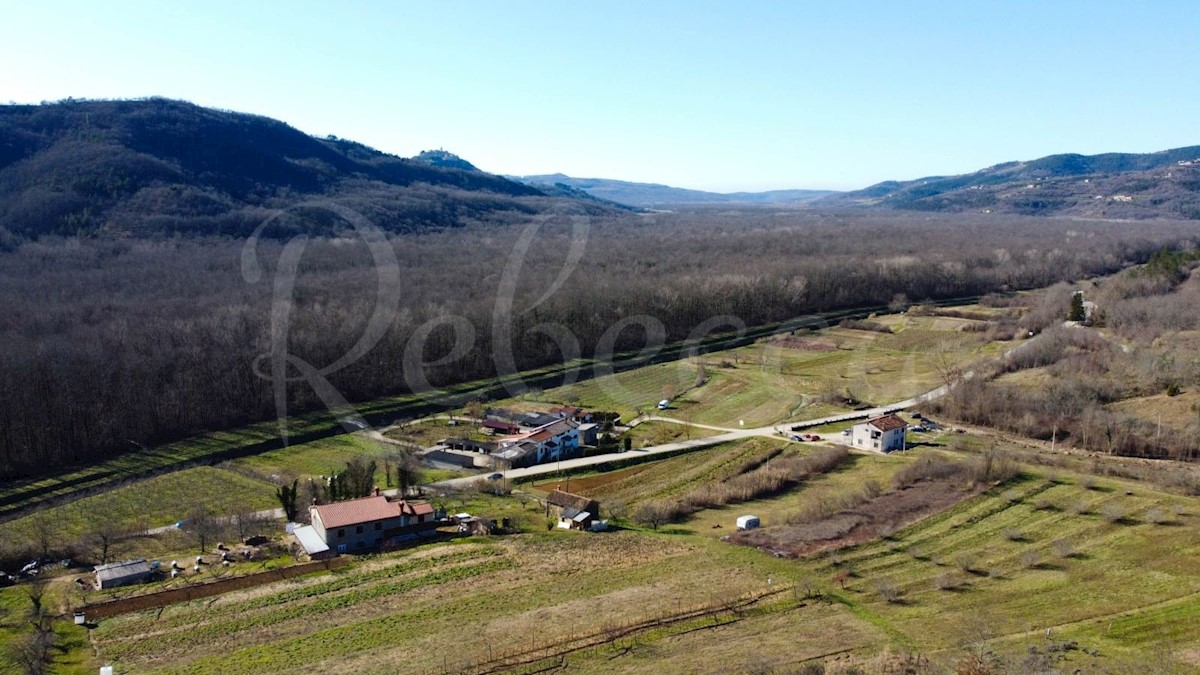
pixel 156 502
pixel 319 458
pixel 792 377
pixel 661 433
pixel 1012 559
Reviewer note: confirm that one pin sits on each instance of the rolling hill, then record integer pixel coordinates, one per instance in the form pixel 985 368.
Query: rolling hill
pixel 649 195
pixel 1114 185
pixel 161 167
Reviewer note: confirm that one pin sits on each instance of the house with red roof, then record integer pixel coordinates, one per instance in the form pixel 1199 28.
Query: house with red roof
pixel 370 523
pixel 884 434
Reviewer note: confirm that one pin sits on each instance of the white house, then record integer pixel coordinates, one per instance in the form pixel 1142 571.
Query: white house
pixel 885 434
pixel 550 443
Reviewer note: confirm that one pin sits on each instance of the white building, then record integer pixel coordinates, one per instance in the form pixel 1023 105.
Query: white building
pixel 884 434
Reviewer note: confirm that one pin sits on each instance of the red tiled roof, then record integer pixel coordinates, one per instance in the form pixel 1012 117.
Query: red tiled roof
pixel 887 423
pixel 367 509
pixel 354 511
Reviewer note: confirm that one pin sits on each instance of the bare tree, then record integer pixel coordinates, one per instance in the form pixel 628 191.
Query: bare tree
pixel 33 651
pixel 104 531
pixel 247 521
pixel 652 514
pixel 203 526
pixel 43 530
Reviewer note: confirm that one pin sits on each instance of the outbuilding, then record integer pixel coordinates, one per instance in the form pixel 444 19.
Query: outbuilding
pixel 311 542
pixel 747 522
pixel 125 573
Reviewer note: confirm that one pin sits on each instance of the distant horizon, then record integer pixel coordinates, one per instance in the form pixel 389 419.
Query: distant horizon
pixel 702 96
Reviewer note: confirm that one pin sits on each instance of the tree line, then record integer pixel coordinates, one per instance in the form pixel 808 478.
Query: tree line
pixel 107 346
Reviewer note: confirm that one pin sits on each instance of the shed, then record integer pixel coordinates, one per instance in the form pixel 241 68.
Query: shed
pixel 589 433
pixel 127 573
pixel 747 522
pixel 311 542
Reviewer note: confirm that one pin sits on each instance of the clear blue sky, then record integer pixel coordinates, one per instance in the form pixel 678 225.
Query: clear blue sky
pixel 709 95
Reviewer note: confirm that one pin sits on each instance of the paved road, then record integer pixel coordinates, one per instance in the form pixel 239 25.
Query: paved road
pixel 728 435
pixel 269 514
pixel 773 431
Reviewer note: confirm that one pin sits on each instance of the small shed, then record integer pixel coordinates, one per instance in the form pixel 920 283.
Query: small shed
pixel 747 522
pixel 575 512
pixel 589 433
pixel 311 542
pixel 125 573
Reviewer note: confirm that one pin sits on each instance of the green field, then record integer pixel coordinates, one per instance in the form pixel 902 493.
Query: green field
pixel 152 503
pixel 990 570
pixel 774 381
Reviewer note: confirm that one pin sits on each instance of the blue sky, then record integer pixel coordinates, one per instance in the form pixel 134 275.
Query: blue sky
pixel 723 96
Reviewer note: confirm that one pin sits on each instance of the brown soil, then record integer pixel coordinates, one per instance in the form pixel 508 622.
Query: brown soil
pixel 140 603
pixel 888 512
pixel 804 345
pixel 582 486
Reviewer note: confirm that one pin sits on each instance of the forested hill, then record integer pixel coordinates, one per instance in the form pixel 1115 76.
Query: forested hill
pixel 154 167
pixel 1114 185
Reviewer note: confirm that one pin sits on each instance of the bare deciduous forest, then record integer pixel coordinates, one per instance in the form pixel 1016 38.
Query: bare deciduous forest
pixel 1081 373
pixel 112 343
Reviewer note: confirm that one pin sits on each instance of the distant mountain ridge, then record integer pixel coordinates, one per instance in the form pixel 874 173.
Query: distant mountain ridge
pixel 1162 184
pixel 158 167
pixel 650 195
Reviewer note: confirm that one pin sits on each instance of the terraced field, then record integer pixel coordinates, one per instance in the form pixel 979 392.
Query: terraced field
pixel 152 503
pixel 407 612
pixel 774 380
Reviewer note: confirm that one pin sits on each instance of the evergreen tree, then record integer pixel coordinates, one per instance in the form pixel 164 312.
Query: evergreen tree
pixel 1076 313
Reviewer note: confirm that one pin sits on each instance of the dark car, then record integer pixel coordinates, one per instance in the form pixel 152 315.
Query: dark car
pixel 496 476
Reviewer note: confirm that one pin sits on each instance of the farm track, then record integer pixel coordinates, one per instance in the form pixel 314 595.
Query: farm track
pixel 16 500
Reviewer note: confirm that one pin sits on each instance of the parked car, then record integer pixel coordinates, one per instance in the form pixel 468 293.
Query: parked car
pixel 495 476
pixel 796 437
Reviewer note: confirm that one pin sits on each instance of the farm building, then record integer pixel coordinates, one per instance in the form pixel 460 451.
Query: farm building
pixel 311 542
pixel 552 442
pixel 574 512
pixel 589 433
pixel 371 522
pixel 885 434
pixel 123 573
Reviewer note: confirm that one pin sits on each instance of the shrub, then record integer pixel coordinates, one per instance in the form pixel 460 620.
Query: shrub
pixel 994 465
pixel 887 589
pixel 1013 534
pixel 917 553
pixel 1113 512
pixel 1063 548
pixel 1088 483
pixel 929 467
pixel 871 489
pixel 1044 504
pixel 965 562
pixel 862 324
pixel 1029 558
pixel 945 582
pixel 1081 507
pixel 1157 516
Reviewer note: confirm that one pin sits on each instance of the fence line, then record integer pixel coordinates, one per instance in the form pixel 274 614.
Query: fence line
pixel 159 599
